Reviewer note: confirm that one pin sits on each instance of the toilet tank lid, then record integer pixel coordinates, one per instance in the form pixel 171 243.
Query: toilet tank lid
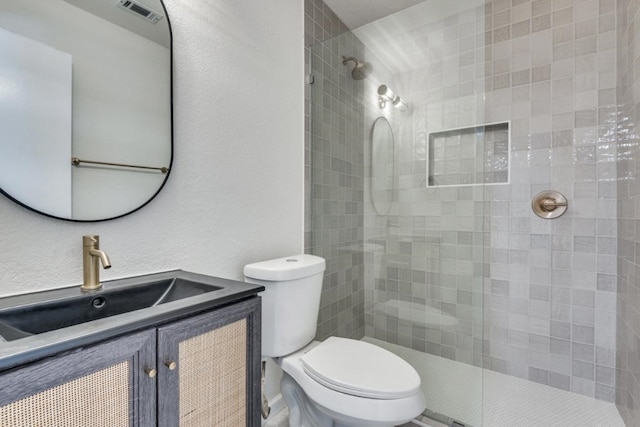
pixel 287 268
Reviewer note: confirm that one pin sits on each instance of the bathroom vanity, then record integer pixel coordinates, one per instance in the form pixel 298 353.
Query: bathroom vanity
pixel 192 357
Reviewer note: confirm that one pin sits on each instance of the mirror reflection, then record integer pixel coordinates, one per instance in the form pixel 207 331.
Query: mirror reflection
pixel 90 80
pixel 382 165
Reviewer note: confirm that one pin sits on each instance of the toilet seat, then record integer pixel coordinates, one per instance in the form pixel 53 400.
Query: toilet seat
pixel 337 404
pixel 360 369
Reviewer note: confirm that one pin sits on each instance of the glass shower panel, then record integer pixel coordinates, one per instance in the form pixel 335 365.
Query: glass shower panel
pixel 406 256
pixel 550 305
pixel 434 251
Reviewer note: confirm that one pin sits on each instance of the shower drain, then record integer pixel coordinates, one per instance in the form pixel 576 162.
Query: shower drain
pixel 423 420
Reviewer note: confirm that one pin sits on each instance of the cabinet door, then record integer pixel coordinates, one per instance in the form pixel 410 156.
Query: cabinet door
pixel 96 386
pixel 215 380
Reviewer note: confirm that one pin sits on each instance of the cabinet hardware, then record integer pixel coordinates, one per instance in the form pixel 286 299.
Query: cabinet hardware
pixel 171 365
pixel 151 373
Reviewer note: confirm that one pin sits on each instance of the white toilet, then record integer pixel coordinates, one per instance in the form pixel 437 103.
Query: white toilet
pixel 335 383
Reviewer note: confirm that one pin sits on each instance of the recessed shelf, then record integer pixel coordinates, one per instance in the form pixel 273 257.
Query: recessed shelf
pixel 475 155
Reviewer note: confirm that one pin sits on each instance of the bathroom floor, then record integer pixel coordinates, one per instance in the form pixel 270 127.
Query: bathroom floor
pixel 479 397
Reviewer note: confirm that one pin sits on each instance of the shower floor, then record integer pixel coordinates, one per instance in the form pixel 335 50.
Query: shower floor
pixel 479 397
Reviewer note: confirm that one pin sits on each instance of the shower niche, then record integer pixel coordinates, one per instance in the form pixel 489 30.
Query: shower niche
pixel 476 155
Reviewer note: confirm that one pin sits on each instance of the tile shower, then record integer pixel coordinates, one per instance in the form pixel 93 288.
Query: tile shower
pixel 550 301
pixel 334 172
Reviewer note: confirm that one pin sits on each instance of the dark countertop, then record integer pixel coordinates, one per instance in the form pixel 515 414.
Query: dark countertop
pixel 31 348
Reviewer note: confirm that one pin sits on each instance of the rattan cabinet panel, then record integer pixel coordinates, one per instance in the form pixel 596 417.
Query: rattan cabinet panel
pixel 216 376
pixel 94 386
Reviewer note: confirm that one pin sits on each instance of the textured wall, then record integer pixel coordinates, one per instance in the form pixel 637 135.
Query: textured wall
pixel 335 170
pixel 628 315
pixel 236 190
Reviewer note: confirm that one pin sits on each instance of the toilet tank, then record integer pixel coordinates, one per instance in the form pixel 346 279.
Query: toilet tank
pixel 290 301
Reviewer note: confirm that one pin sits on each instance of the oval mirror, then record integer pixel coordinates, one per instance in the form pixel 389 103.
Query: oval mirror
pixel 85 105
pixel 382 165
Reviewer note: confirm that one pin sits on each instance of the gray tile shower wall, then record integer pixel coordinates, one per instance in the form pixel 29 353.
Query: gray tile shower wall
pixel 551 71
pixel 533 298
pixel 628 288
pixel 511 292
pixel 334 170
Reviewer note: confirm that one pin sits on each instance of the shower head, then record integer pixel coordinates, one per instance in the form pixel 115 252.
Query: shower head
pixel 361 70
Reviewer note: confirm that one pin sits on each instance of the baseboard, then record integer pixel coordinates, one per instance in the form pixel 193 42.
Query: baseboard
pixel 277 405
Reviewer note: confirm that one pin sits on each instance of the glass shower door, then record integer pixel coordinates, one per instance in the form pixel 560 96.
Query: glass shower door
pixel 397 194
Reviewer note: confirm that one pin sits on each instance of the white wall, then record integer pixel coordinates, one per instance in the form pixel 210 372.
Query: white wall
pixel 235 194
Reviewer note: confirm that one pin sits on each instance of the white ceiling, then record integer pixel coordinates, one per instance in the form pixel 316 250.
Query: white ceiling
pixel 355 13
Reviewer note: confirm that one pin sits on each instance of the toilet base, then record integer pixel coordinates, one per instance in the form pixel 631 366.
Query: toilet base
pixel 303 412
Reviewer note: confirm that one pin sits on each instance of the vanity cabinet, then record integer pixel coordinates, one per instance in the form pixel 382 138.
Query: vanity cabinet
pixel 209 369
pixel 202 370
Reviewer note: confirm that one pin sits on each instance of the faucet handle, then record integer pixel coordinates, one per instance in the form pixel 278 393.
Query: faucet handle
pixel 91 253
pixel 91 240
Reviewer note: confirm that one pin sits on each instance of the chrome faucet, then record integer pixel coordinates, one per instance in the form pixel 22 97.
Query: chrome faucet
pixel 91 253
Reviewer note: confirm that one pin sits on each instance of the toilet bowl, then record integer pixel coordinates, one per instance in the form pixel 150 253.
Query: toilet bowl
pixel 339 382
pixel 350 383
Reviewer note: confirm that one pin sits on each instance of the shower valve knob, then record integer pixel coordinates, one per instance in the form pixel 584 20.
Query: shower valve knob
pixel 549 204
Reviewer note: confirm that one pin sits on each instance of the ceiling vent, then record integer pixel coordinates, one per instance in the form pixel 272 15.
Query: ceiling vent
pixel 140 10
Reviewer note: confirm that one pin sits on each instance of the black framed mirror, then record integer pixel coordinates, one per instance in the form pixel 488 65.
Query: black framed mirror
pixel 85 105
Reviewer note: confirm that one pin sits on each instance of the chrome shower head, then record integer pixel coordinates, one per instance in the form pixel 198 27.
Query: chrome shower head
pixel 361 70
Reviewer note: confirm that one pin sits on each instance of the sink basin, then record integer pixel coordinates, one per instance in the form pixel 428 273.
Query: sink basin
pixel 37 325
pixel 36 318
